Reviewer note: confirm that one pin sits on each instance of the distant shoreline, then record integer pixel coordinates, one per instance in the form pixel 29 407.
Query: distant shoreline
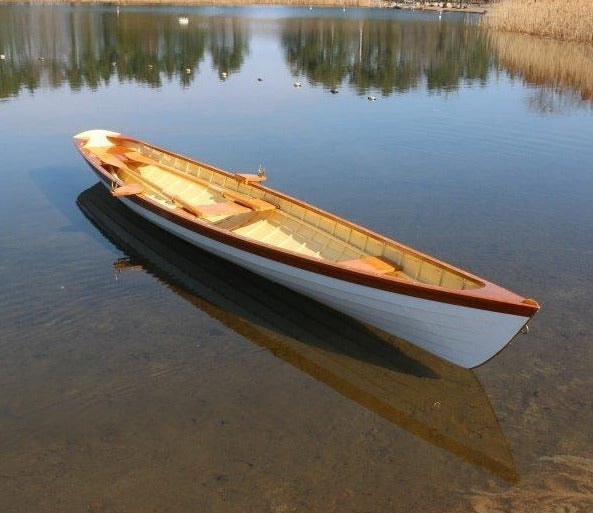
pixel 383 4
pixel 222 3
pixel 478 8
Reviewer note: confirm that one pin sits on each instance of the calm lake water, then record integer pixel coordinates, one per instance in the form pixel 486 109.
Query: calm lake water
pixel 139 375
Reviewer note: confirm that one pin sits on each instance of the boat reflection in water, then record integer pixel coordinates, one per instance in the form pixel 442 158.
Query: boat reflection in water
pixel 428 397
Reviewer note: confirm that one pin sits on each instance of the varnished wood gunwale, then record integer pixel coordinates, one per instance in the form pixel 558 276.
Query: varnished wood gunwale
pixel 488 297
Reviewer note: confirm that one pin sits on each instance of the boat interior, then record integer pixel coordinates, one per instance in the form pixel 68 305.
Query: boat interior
pixel 236 203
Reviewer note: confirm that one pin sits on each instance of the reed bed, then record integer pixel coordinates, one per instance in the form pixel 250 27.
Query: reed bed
pixel 560 65
pixel 568 20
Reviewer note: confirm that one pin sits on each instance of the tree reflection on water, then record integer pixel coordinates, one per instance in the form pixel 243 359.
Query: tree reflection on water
pixel 385 55
pixel 90 46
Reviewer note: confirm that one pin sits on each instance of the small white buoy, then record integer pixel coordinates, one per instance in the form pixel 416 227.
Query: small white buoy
pixel 223 74
pixel 2 57
pixel 183 20
pixel 150 66
pixel 371 98
pixel 188 70
pixel 114 63
pixel 297 84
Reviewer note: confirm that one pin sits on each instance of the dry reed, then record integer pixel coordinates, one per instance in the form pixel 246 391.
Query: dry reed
pixel 569 20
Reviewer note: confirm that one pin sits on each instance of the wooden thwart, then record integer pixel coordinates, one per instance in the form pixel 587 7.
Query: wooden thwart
pixel 218 209
pixel 370 264
pixel 253 203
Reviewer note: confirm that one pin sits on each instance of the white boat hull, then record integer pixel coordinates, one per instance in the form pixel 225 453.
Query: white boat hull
pixel 462 335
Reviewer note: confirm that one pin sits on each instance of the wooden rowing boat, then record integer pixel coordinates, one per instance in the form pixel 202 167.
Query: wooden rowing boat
pixel 449 312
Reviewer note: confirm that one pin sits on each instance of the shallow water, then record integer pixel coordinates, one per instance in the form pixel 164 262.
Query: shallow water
pixel 139 375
